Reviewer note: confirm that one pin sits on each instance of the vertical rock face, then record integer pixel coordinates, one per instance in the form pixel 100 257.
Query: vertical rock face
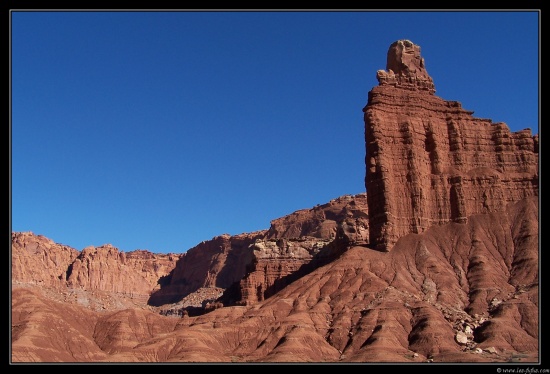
pixel 105 268
pixel 218 262
pixel 297 243
pixel 37 260
pixel 273 262
pixel 255 265
pixel 429 161
pixel 347 214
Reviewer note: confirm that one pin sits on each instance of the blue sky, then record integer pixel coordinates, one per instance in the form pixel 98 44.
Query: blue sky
pixel 158 130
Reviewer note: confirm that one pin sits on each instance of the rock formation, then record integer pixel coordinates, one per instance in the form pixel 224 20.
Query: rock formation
pixel 273 262
pixel 455 199
pixel 348 213
pixel 255 265
pixel 455 293
pixel 36 259
pixel 429 161
pixel 218 262
pixel 105 268
pixel 298 243
pixel 100 277
pixel 405 68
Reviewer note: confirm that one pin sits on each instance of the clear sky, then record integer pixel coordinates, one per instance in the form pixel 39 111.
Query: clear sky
pixel 158 130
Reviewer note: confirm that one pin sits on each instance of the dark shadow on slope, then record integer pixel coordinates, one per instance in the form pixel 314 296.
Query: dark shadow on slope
pixel 161 297
pixel 327 254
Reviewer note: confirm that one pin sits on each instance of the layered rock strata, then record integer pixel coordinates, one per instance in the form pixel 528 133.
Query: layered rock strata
pixel 252 266
pixel 106 268
pixel 455 293
pixel 218 262
pixel 429 161
pixel 92 276
pixel 348 212
pixel 273 261
pixel 298 243
pixel 36 259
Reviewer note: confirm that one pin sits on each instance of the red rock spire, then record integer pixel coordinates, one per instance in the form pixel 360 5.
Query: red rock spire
pixel 405 68
pixel 429 161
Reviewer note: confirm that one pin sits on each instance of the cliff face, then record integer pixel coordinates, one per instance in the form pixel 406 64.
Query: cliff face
pixel 429 161
pixel 256 265
pixel 273 261
pixel 92 277
pixel 297 243
pixel 349 213
pixel 105 268
pixel 215 263
pixel 36 259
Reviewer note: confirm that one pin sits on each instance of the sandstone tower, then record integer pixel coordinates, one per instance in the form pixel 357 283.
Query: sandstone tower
pixel 429 161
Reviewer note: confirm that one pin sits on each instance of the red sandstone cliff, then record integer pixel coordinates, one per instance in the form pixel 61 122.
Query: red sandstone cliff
pixel 323 221
pixel 101 277
pixel 215 263
pixel 257 264
pixel 36 259
pixel 429 161
pixel 105 268
pixel 296 244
